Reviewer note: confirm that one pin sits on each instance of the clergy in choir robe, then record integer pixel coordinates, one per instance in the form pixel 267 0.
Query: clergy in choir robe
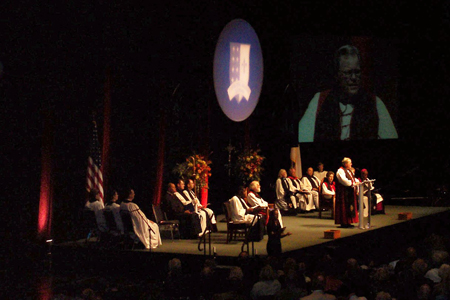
pixel 95 203
pixel 304 197
pixel 240 211
pixel 286 201
pixel 189 221
pixel 115 209
pixel 346 206
pixel 146 230
pixel 320 173
pixel 312 184
pixel 189 192
pixel 255 201
pixel 189 206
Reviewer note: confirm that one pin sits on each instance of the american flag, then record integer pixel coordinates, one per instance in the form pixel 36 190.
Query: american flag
pixel 94 172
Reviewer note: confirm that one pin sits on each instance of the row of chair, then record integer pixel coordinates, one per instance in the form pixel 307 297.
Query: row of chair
pixel 89 224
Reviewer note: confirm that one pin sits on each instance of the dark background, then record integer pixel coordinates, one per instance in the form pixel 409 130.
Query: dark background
pixel 54 59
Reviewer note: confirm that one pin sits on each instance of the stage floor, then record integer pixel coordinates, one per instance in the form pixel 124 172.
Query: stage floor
pixel 307 231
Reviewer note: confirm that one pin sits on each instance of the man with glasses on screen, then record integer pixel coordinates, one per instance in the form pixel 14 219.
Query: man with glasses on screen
pixel 346 112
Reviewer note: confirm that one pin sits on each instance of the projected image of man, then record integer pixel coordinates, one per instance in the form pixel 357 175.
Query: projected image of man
pixel 347 111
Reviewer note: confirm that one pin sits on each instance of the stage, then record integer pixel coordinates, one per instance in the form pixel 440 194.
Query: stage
pixel 387 235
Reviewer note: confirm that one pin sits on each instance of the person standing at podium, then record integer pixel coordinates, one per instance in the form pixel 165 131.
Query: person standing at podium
pixel 346 205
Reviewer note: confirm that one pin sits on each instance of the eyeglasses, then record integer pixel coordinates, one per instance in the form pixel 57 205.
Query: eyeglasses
pixel 348 74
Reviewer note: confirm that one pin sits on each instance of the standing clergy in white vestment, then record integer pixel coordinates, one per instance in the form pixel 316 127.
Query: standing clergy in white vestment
pixel 146 230
pixel 320 173
pixel 189 192
pixel 95 203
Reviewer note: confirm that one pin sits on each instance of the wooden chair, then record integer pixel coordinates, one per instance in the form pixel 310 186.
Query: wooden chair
pixel 233 228
pixel 327 204
pixel 163 223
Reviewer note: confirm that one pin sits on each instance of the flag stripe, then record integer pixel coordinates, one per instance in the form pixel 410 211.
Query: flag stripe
pixel 94 177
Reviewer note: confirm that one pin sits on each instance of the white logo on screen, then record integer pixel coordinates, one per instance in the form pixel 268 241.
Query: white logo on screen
pixel 239 72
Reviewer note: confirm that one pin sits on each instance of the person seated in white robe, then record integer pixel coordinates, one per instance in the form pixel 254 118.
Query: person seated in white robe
pixel 189 192
pixel 240 211
pixel 95 203
pixel 189 206
pixel 146 230
pixel 328 190
pixel 256 202
pixel 115 209
pixel 312 184
pixel 303 196
pixel 286 201
pixel 376 198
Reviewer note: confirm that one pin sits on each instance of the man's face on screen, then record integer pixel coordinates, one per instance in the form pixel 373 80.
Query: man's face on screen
pixel 349 75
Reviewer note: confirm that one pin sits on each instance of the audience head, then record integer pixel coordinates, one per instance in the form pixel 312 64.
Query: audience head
pixel 411 252
pixel 88 294
pixel 175 266
pixel 267 273
pixel 383 296
pixel 310 171
pixel 282 173
pixel 381 274
pixel 255 186
pixel 439 257
pixel 236 274
pixel 444 272
pixel 420 267
pixel 424 292
pixel 318 282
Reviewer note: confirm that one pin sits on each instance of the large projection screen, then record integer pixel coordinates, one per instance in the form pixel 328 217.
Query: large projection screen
pixel 346 88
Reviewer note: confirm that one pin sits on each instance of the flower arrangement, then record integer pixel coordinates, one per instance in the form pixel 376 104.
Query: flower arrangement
pixel 249 165
pixel 195 167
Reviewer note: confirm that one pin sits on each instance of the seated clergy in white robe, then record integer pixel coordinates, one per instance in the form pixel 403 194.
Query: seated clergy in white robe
pixel 303 196
pixel 190 206
pixel 328 188
pixel 115 209
pixel 285 198
pixel 256 201
pixel 189 192
pixel 95 203
pixel 312 184
pixel 146 230
pixel 240 211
